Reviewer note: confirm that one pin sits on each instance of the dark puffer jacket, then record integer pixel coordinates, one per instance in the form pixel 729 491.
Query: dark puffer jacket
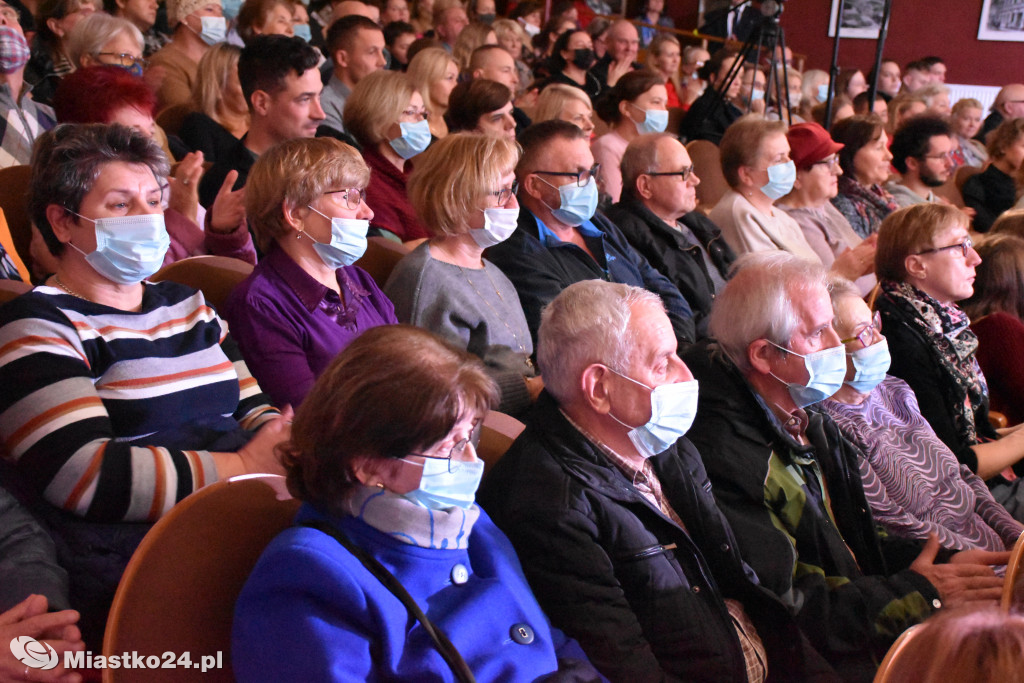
pixel 817 550
pixel 641 595
pixel 672 254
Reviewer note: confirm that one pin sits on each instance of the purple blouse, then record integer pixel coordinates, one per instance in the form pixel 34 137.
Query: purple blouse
pixel 290 327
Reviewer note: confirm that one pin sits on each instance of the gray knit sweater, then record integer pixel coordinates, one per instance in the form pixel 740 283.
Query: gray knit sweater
pixel 475 309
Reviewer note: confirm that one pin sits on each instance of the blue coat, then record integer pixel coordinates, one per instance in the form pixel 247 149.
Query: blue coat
pixel 310 611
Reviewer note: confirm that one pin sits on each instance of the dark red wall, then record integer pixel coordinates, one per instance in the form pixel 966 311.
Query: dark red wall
pixel 947 28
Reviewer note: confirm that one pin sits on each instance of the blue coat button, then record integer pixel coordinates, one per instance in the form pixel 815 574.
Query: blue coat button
pixel 522 634
pixel 460 574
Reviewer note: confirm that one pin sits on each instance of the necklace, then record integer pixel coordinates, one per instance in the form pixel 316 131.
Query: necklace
pixel 515 337
pixel 60 283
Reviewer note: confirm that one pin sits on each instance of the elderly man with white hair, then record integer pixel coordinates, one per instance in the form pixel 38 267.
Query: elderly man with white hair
pixel 788 481
pixel 611 512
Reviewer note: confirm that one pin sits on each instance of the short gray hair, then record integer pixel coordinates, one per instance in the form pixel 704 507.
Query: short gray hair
pixel 930 91
pixel 756 303
pixel 90 34
pixel 587 323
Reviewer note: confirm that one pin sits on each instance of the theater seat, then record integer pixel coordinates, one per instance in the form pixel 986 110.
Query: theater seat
pixel 707 164
pixel 9 289
pixel 179 590
pixel 496 436
pixel 381 257
pixel 214 276
pixel 1011 596
pixel 894 653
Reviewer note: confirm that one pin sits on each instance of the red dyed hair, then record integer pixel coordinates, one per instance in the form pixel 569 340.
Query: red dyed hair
pixel 95 93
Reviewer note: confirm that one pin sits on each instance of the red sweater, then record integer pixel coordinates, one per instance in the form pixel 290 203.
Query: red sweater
pixel 1001 356
pixel 387 196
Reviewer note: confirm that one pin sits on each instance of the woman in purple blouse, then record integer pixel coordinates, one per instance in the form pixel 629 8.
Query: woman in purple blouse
pixel 305 301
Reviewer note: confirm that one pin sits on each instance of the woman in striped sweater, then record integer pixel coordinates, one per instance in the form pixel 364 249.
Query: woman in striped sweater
pixel 118 397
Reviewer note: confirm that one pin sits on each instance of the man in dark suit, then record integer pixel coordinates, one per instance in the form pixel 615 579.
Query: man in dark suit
pixel 736 22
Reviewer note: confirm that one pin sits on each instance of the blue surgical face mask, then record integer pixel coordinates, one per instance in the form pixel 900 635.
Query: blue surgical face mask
pixel 128 248
pixel 757 95
pixel 499 224
pixel 440 488
pixel 870 365
pixel 303 31
pixel 414 139
pixel 823 92
pixel 780 180
pixel 215 30
pixel 577 204
pixel 655 120
pixel 231 8
pixel 348 241
pixel 673 407
pixel 826 370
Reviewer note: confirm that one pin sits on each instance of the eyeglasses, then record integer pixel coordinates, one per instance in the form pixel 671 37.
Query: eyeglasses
pixel 124 59
pixel 684 173
pixel 458 450
pixel 829 161
pixel 582 178
pixel 417 114
pixel 964 246
pixel 866 334
pixel 943 155
pixel 505 194
pixel 353 197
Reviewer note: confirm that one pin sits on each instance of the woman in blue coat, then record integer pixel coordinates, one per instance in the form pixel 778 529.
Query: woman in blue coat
pixel 385 463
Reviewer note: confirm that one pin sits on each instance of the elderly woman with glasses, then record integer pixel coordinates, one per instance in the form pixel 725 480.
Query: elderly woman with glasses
pixel 926 262
pixel 389 543
pixel 464 190
pixel 912 480
pixel 305 301
pixel 827 231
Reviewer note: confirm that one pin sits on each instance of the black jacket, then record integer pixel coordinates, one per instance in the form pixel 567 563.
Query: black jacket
pixel 814 546
pixel 716 22
pixel 673 256
pixel 540 272
pixel 708 117
pixel 643 596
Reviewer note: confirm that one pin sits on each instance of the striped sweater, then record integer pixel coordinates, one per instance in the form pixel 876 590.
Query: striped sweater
pixel 108 413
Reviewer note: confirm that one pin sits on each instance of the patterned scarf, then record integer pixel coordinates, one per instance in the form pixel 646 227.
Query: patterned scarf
pixel 410 523
pixel 953 344
pixel 871 204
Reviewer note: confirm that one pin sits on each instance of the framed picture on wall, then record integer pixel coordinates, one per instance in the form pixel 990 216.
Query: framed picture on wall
pixel 861 18
pixel 1001 20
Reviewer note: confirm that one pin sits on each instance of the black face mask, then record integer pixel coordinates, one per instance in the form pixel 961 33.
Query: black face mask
pixel 584 58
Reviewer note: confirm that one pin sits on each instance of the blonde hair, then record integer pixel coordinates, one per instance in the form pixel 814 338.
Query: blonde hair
pixel 909 230
pixel 212 76
pixel 293 174
pixel 453 176
pixel 653 51
pixel 553 98
pixel 425 69
pixel 376 103
pixel 470 38
pixel 503 27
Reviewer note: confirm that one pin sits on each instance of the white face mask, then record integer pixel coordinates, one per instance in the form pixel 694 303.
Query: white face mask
pixel 128 248
pixel 214 29
pixel 673 408
pixel 348 241
pixel 499 224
